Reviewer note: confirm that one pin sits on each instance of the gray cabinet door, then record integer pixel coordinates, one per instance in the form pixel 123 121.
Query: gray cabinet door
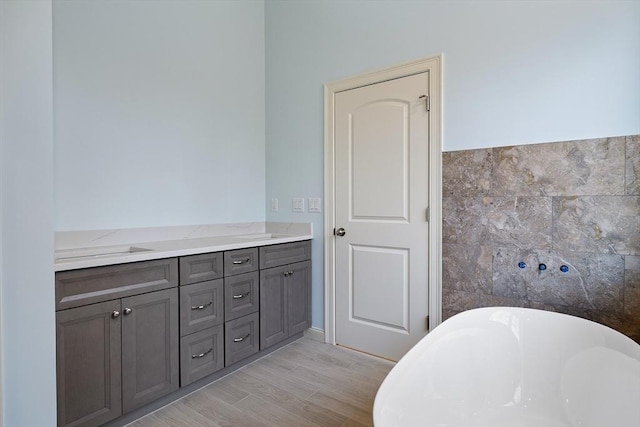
pixel 88 364
pixel 199 268
pixel 201 354
pixel 149 347
pixel 241 338
pixel 285 253
pixel 76 288
pixel 273 309
pixel 241 295
pixel 299 296
pixel 240 261
pixel 201 306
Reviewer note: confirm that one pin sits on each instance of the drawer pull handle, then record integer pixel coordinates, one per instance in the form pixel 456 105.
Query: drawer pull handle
pixel 241 295
pixel 241 338
pixel 201 307
pixel 241 261
pixel 201 355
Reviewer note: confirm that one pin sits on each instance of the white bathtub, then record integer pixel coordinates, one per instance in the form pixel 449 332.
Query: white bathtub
pixel 514 367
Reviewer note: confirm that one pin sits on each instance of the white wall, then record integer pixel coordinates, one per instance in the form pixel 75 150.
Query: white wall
pixel 26 199
pixel 159 113
pixel 514 73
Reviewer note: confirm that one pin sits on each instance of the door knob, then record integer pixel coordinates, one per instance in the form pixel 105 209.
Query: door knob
pixel 340 232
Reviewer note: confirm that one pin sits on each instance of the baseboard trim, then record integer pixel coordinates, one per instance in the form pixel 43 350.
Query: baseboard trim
pixel 315 334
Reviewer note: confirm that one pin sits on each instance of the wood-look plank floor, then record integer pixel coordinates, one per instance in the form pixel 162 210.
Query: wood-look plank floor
pixel 306 383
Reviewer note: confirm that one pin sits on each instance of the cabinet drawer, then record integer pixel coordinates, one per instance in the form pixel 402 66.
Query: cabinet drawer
pixel 201 354
pixel 75 288
pixel 241 338
pixel 241 295
pixel 286 253
pixel 240 261
pixel 199 268
pixel 201 306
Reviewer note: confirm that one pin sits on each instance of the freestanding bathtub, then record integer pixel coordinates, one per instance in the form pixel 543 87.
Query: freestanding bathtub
pixel 514 367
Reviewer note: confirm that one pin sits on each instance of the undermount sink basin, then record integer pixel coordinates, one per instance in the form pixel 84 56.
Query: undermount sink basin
pixel 72 254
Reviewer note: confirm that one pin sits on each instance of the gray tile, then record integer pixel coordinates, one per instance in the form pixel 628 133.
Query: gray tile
pixel 508 221
pixel 632 285
pixel 466 267
pixel 594 166
pixel 593 282
pixel 632 185
pixel 603 224
pixel 463 220
pixel 466 173
pixel 523 222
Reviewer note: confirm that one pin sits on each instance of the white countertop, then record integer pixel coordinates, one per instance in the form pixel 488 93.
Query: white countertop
pixel 129 250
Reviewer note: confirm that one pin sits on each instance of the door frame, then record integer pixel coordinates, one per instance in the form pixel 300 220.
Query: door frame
pixel 432 65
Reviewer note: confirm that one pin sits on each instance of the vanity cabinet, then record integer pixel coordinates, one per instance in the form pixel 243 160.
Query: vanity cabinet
pixel 116 355
pixel 129 334
pixel 285 291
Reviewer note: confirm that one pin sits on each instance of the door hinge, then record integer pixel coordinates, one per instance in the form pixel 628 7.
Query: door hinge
pixel 427 101
pixel 427 321
pixel 427 214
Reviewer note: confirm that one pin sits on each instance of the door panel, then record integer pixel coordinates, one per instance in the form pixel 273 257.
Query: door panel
pixel 381 198
pixel 149 347
pixel 377 195
pixel 376 268
pixel 273 310
pixel 299 297
pixel 88 364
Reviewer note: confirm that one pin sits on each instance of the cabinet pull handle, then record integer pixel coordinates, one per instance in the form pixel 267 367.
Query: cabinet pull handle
pixel 201 307
pixel 201 355
pixel 127 311
pixel 288 273
pixel 241 338
pixel 115 314
pixel 241 295
pixel 241 261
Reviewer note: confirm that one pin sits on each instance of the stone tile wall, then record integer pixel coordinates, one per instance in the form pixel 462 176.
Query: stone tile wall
pixel 574 203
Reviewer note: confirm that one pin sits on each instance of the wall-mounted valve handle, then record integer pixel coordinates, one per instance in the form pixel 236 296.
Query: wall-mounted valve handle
pixel 340 232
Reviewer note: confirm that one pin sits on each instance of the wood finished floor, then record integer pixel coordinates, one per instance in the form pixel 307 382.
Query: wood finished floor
pixel 306 383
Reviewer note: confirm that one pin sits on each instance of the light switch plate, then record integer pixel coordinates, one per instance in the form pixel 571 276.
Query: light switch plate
pixel 274 205
pixel 314 204
pixel 298 204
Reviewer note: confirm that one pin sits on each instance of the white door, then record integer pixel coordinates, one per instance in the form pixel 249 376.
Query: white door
pixel 381 200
